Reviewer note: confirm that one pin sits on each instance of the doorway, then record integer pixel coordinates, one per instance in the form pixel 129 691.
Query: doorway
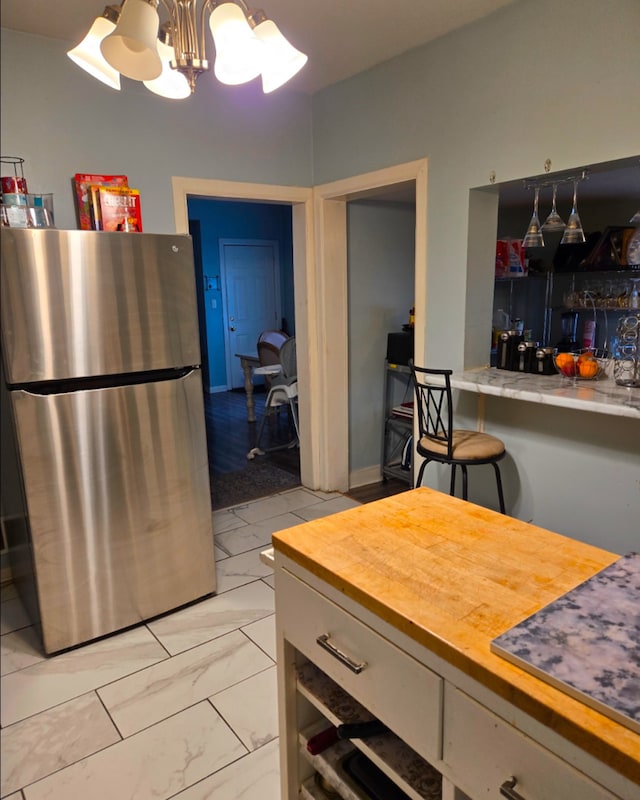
pixel 250 275
pixel 320 270
pixel 253 241
pixel 333 376
pixel 245 281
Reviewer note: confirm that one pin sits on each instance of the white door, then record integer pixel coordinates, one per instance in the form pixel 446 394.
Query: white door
pixel 250 271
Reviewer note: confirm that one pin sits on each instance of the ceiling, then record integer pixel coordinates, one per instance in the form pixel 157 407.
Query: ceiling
pixel 341 37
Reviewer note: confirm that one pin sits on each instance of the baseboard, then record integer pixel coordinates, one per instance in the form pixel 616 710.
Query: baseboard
pixel 364 477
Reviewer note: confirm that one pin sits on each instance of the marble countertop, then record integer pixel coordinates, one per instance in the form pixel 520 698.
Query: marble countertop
pixel 602 397
pixel 587 642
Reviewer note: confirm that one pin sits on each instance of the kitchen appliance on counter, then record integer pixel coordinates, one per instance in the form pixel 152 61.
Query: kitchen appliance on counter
pixel 508 355
pixel 527 356
pixel 400 347
pixel 543 364
pixel 568 332
pixel 103 388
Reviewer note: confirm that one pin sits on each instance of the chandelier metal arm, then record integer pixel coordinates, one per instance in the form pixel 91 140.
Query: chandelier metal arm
pixel 170 9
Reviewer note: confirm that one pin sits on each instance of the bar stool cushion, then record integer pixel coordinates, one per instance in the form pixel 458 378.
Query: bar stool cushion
pixel 467 445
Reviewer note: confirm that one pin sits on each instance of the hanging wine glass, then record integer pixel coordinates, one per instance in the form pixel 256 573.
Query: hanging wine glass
pixel 533 237
pixel 554 221
pixel 573 233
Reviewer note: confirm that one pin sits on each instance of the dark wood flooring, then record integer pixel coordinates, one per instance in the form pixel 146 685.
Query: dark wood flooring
pixel 230 437
pixel 376 491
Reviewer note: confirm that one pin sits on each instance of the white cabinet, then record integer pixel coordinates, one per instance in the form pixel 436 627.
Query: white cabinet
pixel 368 667
pixel 483 753
pixel 444 742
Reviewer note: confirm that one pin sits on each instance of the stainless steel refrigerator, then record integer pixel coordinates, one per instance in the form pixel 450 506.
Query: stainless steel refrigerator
pixel 103 395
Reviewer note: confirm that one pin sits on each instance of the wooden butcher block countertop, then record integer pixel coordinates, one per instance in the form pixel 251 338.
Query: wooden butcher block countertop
pixel 452 576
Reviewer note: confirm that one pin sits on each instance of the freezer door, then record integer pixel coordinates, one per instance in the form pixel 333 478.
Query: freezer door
pixel 118 500
pixel 81 303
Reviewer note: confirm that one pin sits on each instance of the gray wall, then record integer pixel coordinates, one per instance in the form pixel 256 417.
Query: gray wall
pixel 536 80
pixel 62 121
pixel 482 100
pixel 381 253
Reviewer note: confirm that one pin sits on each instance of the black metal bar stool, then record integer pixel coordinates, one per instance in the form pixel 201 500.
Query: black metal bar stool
pixel 439 441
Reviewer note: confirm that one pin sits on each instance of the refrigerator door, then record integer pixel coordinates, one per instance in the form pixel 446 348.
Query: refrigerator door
pixel 80 303
pixel 117 491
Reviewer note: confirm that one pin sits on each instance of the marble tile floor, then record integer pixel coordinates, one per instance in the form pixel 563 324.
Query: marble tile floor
pixel 181 707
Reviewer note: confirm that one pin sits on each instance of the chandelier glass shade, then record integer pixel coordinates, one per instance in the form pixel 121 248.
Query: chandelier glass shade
pixel 283 60
pixel 238 50
pixel 88 55
pixel 168 56
pixel 170 83
pixel 131 46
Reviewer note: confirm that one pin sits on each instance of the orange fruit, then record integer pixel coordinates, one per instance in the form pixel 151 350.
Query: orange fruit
pixel 588 368
pixel 566 364
pixel 587 356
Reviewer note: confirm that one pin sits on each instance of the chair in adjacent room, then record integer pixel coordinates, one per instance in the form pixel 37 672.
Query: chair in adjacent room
pixel 268 347
pixel 283 392
pixel 439 441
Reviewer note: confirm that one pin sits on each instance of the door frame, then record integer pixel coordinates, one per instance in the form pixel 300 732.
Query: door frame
pixel 319 223
pixel 223 278
pixel 330 269
pixel 301 201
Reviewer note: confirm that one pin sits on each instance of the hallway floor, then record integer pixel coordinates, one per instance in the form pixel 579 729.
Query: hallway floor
pixel 234 478
pixel 183 706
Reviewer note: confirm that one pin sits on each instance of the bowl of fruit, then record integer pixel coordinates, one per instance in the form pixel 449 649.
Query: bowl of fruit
pixel 585 365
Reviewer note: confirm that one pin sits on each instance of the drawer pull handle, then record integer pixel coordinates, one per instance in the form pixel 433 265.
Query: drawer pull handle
pixel 343 658
pixel 507 790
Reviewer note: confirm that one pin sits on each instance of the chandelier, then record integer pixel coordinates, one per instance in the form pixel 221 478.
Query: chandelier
pixel 168 57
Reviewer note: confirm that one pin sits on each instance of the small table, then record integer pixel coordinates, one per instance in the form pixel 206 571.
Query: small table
pixel 251 365
pixel 248 363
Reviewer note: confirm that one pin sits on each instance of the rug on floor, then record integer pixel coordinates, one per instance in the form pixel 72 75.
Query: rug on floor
pixel 258 479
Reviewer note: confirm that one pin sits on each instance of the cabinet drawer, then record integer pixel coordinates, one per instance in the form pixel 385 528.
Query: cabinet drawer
pixel 404 694
pixel 483 752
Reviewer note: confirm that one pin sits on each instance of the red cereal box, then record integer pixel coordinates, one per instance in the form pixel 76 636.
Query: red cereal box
pixel 83 183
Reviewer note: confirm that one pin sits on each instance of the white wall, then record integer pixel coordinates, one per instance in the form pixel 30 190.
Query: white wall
pixel 381 254
pixel 62 121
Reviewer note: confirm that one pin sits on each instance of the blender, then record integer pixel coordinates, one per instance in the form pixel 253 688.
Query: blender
pixel 568 332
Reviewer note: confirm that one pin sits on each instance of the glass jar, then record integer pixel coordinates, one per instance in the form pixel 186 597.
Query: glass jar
pixel 626 356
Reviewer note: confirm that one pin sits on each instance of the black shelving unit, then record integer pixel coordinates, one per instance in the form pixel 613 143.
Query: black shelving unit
pixel 540 301
pixel 398 428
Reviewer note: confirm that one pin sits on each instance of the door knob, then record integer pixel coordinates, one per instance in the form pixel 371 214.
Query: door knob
pixel 232 328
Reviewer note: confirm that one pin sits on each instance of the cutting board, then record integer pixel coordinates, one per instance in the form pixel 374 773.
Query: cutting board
pixel 587 642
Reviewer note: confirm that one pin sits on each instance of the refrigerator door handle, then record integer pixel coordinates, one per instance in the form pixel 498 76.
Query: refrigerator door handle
pixel 105 381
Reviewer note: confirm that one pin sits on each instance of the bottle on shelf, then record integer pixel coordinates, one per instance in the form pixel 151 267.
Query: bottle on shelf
pixel 634 294
pixel 589 335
